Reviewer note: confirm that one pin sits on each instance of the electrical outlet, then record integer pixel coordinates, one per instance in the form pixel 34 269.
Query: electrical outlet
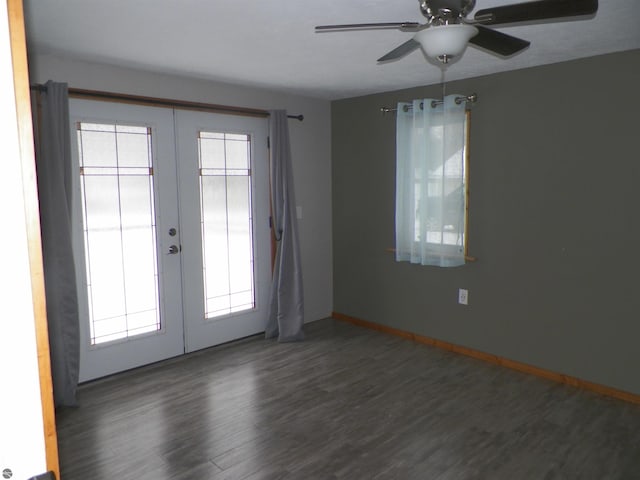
pixel 463 296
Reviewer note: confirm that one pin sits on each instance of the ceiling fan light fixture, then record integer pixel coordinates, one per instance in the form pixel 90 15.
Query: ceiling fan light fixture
pixel 444 42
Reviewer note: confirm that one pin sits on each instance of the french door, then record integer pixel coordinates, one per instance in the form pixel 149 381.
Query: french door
pixel 172 238
pixel 224 214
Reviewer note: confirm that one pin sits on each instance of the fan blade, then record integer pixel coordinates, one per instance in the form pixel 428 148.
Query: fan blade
pixel 404 49
pixel 498 42
pixel 538 10
pixel 364 26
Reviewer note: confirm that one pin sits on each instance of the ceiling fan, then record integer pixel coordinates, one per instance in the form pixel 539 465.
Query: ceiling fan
pixel 447 31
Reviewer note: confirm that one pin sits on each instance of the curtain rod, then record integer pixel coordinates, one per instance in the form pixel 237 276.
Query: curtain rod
pixel 165 102
pixel 473 98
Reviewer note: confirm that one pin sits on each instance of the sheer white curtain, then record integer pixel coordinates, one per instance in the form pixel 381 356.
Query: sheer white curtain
pixel 430 182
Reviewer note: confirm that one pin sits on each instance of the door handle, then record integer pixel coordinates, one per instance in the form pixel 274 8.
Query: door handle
pixel 173 250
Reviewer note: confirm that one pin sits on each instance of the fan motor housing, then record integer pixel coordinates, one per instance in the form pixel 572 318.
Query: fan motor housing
pixel 446 10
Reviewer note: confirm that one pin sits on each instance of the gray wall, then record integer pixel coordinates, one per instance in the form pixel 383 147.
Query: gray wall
pixel 554 174
pixel 310 146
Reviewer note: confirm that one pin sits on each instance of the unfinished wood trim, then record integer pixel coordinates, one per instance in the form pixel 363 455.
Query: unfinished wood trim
pixel 32 215
pixel 164 102
pixel 467 130
pixel 495 359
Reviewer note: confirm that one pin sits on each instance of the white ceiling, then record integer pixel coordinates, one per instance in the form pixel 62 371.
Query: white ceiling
pixel 272 43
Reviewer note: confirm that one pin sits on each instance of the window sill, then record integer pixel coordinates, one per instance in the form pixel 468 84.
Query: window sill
pixel 467 258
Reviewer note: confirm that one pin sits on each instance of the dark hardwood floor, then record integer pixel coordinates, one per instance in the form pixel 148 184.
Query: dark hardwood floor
pixel 347 403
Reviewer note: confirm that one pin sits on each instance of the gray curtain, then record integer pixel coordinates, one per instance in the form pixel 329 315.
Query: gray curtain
pixel 54 170
pixel 286 307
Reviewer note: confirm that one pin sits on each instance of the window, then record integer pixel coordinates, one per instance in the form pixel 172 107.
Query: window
pixel 227 236
pixel 116 177
pixel 432 182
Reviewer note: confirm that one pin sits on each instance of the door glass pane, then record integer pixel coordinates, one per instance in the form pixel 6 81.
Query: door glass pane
pixel 116 178
pixel 226 220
